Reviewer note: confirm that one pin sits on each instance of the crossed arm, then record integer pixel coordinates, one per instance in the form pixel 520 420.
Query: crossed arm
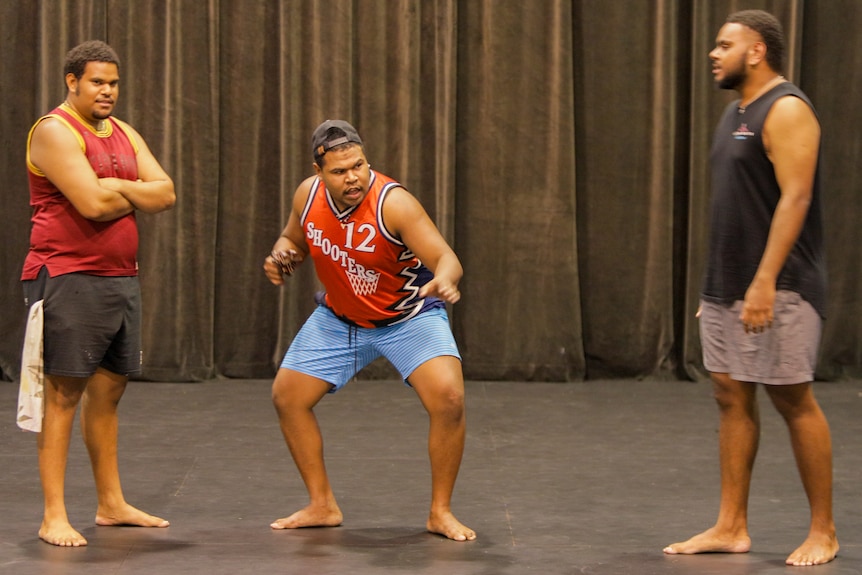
pixel 56 152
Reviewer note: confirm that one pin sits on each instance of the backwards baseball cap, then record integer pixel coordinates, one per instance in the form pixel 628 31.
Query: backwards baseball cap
pixel 332 133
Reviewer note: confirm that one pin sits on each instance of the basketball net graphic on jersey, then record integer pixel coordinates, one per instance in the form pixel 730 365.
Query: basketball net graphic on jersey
pixel 365 284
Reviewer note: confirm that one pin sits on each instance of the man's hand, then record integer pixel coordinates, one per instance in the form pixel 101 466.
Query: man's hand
pixel 280 264
pixel 758 307
pixel 441 288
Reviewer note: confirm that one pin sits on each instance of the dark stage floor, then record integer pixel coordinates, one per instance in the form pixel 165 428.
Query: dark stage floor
pixel 591 478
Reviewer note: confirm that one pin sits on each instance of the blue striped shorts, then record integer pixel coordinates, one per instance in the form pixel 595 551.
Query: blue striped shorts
pixel 331 350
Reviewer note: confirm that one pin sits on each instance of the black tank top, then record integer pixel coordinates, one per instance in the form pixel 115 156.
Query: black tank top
pixel 744 196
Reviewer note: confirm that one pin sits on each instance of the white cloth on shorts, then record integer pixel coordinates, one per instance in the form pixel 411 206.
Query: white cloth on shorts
pixel 31 395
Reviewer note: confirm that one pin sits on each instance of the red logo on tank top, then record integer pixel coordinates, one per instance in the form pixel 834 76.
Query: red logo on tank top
pixel 742 132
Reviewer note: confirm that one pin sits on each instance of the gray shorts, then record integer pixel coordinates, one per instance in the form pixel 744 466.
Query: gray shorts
pixel 90 322
pixel 784 354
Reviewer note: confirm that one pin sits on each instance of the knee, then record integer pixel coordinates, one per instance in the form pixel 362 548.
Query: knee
pixel 730 394
pixel 67 401
pixel 281 396
pixel 101 398
pixel 64 396
pixel 794 403
pixel 450 403
pixel 290 393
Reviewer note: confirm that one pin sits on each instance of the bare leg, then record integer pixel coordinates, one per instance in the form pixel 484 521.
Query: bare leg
pixel 440 386
pixel 812 447
pixel 294 395
pixel 739 433
pixel 62 395
pixel 99 427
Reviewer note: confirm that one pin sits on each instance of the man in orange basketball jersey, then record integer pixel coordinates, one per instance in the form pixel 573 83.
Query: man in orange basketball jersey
pixel 388 275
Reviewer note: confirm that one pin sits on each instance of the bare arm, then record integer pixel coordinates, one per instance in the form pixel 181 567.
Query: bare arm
pixel 291 242
pixel 405 217
pixel 56 152
pixel 153 191
pixel 791 135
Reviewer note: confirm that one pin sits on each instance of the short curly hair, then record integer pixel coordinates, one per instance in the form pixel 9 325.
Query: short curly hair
pixel 89 51
pixel 769 29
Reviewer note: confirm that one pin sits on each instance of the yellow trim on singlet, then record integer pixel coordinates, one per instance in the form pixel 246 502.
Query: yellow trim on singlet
pixel 104 133
pixel 127 129
pixel 106 130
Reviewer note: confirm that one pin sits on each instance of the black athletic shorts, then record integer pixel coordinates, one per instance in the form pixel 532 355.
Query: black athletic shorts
pixel 90 322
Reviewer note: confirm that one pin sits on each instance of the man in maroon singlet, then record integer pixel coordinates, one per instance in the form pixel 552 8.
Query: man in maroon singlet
pixel 89 173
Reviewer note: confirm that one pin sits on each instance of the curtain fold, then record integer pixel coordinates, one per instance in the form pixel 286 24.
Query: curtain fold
pixel 561 146
pixel 516 202
pixel 831 73
pixel 626 118
pixel 169 87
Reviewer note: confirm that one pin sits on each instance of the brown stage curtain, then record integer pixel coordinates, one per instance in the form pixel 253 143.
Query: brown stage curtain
pixel 560 145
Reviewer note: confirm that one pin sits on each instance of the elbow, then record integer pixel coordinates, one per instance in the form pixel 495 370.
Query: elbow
pixel 165 200
pixel 458 268
pixel 96 213
pixel 170 199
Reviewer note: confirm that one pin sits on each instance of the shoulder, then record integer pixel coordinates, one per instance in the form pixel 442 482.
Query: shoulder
pixel 791 106
pixel 791 113
pixel 130 132
pixel 54 134
pixel 793 103
pixel 397 193
pixel 53 125
pixel 302 191
pixel 397 196
pixel 305 185
pixel 400 208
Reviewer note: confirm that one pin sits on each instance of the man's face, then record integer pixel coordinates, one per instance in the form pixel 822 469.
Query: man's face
pixel 94 95
pixel 729 55
pixel 346 175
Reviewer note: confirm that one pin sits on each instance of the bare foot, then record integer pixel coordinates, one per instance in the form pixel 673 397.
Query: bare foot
pixel 128 515
pixel 448 526
pixel 61 533
pixel 311 516
pixel 816 550
pixel 711 541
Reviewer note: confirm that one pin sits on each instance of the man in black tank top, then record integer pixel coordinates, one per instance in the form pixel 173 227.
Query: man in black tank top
pixel 764 291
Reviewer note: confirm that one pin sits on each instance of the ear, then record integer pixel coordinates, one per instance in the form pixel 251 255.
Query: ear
pixel 317 169
pixel 756 53
pixel 71 82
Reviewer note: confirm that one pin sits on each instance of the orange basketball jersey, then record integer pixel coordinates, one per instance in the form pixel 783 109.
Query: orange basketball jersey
pixel 371 278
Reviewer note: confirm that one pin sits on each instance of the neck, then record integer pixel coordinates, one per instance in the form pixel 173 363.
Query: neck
pixel 97 125
pixel 753 92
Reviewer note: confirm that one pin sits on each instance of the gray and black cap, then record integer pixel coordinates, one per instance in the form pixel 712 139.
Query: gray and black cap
pixel 330 134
